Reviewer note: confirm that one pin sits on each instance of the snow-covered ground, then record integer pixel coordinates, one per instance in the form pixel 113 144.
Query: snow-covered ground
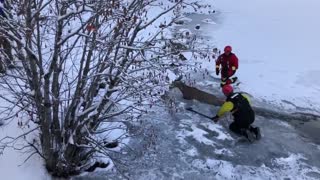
pixel 12 161
pixel 277 43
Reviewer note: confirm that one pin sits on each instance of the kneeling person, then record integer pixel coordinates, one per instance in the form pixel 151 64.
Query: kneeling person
pixel 239 105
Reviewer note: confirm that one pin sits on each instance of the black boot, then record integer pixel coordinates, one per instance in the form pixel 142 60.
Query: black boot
pixel 248 134
pixel 256 131
pixel 234 79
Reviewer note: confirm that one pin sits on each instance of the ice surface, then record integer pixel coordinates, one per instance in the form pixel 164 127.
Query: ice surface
pixel 187 147
pixel 277 43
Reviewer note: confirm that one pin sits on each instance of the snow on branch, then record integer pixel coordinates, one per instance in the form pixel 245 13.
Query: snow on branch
pixel 161 14
pixel 83 64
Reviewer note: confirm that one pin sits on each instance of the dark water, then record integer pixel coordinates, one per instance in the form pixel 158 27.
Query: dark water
pixel 310 130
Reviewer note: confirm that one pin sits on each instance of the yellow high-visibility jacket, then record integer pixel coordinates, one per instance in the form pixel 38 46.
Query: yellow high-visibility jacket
pixel 228 106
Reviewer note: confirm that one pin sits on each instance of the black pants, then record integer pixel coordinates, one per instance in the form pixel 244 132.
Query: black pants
pixel 242 123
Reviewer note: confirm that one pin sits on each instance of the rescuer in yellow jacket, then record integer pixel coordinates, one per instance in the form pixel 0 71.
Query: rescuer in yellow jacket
pixel 239 105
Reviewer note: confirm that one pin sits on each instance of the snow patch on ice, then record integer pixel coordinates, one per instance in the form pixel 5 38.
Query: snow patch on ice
pixel 191 130
pixel 192 152
pixel 223 151
pixel 199 135
pixel 291 167
pixel 222 135
pixel 209 21
pixel 221 168
pixel 185 19
pixel 114 131
pixel 284 124
pixel 187 55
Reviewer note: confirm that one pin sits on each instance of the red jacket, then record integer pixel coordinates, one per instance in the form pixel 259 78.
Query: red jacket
pixel 229 64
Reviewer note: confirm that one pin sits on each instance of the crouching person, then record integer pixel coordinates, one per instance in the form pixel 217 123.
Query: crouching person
pixel 239 105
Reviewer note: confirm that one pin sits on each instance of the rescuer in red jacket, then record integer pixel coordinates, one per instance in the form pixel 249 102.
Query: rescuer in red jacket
pixel 229 66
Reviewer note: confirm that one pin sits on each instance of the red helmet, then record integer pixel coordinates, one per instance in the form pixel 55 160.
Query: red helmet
pixel 228 49
pixel 227 90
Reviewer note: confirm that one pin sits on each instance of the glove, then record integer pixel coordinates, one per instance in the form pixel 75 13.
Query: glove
pixel 217 71
pixel 215 118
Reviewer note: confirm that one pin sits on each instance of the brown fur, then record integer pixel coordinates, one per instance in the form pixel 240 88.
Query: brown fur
pixel 190 93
